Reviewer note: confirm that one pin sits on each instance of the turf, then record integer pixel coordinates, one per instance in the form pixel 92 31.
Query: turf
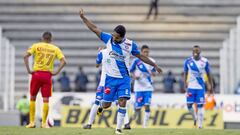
pixel 110 131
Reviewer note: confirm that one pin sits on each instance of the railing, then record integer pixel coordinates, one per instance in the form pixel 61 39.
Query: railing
pixel 230 61
pixel 7 74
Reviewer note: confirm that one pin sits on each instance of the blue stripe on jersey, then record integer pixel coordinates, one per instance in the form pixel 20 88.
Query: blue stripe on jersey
pixel 120 63
pixel 133 66
pixel 99 58
pixel 199 78
pixel 207 68
pixel 143 69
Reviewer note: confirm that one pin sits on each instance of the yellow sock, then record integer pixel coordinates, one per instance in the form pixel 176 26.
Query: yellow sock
pixel 45 113
pixel 32 112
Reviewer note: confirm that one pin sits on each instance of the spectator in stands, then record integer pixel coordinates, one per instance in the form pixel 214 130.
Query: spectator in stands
pixel 237 91
pixel 23 107
pixel 64 82
pixel 168 82
pixel 153 5
pixel 181 83
pixel 81 81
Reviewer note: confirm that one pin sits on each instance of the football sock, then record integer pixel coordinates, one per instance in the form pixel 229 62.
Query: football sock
pixel 200 116
pixel 45 112
pixel 146 118
pixel 92 114
pixel 126 119
pixel 192 112
pixel 120 117
pixel 32 112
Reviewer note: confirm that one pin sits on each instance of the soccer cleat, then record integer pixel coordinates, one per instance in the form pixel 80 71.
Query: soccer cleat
pixel 118 132
pixel 127 126
pixel 195 124
pixel 88 126
pixel 44 126
pixel 99 111
pixel 31 125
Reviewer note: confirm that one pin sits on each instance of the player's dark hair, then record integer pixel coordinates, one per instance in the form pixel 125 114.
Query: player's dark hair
pixel 47 35
pixel 120 29
pixel 144 47
pixel 196 46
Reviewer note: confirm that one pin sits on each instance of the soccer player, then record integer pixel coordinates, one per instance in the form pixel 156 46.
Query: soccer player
pixel 194 69
pixel 119 49
pixel 143 87
pixel 44 54
pixel 101 59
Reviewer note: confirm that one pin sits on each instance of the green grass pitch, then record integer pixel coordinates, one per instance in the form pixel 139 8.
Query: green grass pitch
pixel 110 131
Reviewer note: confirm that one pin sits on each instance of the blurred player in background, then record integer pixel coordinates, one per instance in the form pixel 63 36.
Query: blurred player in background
pixel 195 67
pixel 143 85
pixel 44 54
pixel 101 59
pixel 119 49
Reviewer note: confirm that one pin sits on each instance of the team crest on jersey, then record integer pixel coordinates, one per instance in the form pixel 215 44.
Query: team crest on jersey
pixel 126 48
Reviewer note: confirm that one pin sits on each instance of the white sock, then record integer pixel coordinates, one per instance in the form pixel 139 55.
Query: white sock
pixel 126 119
pixel 146 118
pixel 92 114
pixel 120 117
pixel 192 111
pixel 200 117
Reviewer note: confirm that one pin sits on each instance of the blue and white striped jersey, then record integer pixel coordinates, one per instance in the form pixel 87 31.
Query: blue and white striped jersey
pixel 144 72
pixel 196 71
pixel 118 55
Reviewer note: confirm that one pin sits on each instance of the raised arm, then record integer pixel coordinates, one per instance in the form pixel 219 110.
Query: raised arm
pixel 148 61
pixel 90 24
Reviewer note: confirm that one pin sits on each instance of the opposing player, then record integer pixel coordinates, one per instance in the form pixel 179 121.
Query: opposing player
pixel 194 69
pixel 44 54
pixel 119 49
pixel 143 87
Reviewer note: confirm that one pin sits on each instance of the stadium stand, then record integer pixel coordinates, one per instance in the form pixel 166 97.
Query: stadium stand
pixel 179 26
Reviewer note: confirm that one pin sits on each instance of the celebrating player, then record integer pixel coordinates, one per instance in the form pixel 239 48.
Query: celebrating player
pixel 194 69
pixel 44 55
pixel 119 49
pixel 143 87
